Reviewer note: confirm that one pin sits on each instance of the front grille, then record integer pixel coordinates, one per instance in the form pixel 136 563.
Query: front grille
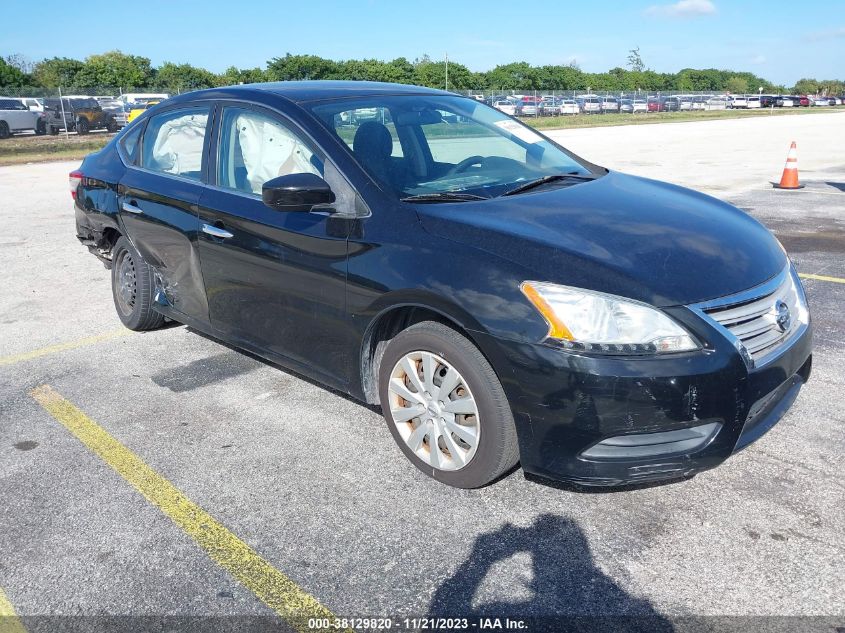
pixel 763 319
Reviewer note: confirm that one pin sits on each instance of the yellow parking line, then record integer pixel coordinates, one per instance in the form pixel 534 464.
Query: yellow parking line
pixel 836 280
pixel 9 622
pixel 271 586
pixel 61 347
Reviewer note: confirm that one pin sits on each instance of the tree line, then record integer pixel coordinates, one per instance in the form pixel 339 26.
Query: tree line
pixel 120 71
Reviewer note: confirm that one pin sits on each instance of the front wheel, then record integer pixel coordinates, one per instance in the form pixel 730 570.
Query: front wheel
pixel 4 130
pixel 82 127
pixel 445 406
pixel 133 288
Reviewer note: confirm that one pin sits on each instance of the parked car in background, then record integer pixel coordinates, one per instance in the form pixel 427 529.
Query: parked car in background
pixel 633 106
pixel 114 107
pixel 609 104
pixel 784 102
pixel 569 106
pixel 16 117
pixel 589 104
pixel 89 115
pixel 506 106
pixel 718 102
pixel 34 104
pixel 245 214
pixel 684 102
pixel 769 101
pixel 132 98
pixel 550 107
pixel 699 102
pixel 819 101
pixel 802 101
pixel 140 106
pixel 528 106
pixel 834 101
pixel 671 104
pixel 753 102
pixel 58 115
pixel 737 102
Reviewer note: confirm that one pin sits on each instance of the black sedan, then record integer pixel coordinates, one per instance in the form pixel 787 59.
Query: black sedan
pixel 502 299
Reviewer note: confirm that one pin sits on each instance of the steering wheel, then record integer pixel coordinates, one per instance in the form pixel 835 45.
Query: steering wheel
pixel 465 164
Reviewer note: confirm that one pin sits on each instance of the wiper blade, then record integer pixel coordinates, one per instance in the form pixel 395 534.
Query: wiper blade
pixel 531 184
pixel 444 196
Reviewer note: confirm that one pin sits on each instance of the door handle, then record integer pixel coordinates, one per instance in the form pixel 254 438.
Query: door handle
pixel 216 232
pixel 131 207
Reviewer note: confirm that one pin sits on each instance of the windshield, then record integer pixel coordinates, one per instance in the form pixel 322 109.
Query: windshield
pixel 424 145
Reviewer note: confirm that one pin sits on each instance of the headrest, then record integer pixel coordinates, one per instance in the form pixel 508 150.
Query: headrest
pixel 373 139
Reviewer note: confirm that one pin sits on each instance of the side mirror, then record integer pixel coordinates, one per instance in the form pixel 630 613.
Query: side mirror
pixel 296 192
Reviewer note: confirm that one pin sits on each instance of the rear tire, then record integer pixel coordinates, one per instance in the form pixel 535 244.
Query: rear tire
pixel 470 450
pixel 40 128
pixel 53 130
pixel 82 127
pixel 133 288
pixel 4 130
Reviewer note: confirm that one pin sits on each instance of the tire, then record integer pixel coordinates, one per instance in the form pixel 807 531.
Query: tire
pixel 133 288
pixel 112 126
pixel 495 447
pixel 52 130
pixel 82 127
pixel 40 128
pixel 4 130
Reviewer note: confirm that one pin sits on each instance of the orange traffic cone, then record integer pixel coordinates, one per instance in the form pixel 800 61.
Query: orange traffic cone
pixel 789 179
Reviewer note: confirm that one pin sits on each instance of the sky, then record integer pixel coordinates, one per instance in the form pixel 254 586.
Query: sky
pixel 781 41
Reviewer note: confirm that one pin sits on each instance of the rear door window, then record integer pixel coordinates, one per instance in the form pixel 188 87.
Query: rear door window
pixel 174 140
pixel 130 146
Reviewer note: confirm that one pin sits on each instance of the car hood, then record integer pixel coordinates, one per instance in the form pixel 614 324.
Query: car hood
pixel 620 234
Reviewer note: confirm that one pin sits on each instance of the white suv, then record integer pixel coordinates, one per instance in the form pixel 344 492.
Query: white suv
pixel 15 117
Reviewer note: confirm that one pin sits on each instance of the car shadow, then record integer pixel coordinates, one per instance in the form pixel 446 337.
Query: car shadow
pixel 566 590
pixel 205 371
pixel 285 370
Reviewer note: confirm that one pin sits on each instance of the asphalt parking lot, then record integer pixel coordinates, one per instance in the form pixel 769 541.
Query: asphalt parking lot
pixel 166 475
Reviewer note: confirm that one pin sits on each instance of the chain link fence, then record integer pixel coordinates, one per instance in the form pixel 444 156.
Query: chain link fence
pixel 80 110
pixel 537 103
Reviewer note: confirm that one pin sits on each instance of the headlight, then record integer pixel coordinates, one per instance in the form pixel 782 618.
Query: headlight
pixel 597 322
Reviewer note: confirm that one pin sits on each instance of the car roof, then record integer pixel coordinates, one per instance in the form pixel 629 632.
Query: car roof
pixel 304 91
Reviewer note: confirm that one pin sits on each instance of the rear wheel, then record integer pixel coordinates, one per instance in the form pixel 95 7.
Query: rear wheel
pixel 133 288
pixel 53 130
pixel 40 128
pixel 4 130
pixel 445 406
pixel 112 126
pixel 82 126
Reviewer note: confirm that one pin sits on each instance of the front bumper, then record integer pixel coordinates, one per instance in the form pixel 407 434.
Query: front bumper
pixel 612 421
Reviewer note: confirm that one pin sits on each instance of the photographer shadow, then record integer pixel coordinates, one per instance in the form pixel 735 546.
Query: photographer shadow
pixel 569 592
